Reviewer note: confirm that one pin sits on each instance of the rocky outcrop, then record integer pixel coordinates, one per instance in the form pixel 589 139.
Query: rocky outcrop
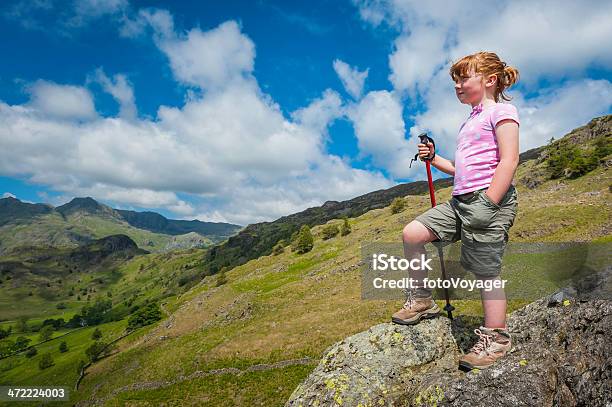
pixel 560 357
pixel 379 366
pixel 187 241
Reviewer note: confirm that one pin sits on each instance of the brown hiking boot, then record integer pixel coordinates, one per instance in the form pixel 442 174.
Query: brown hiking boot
pixel 415 309
pixel 493 344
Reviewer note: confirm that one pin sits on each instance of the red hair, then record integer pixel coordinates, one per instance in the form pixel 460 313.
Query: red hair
pixel 487 63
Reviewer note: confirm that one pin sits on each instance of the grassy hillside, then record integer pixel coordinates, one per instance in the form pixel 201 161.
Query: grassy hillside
pixel 245 341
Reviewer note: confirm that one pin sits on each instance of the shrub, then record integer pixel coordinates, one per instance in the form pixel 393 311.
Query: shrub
pixel 221 278
pixel 96 334
pixel 304 241
pixel 144 316
pixel 330 231
pixel 573 162
pixel 31 352
pixel 398 205
pixel 21 343
pixel 6 332
pixel 95 350
pixel 279 247
pixel 45 333
pixel 45 361
pixel 345 229
pixel 63 348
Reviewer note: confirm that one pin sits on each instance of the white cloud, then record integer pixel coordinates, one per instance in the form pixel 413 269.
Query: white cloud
pixel 8 195
pixel 432 35
pixel 320 113
pixel 210 59
pixel 352 79
pixel 229 147
pixel 95 8
pixel 380 130
pixel 87 10
pixel 121 89
pixel 329 179
pixel 61 101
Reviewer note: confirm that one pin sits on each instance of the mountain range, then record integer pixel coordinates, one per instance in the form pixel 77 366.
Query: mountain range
pixel 84 219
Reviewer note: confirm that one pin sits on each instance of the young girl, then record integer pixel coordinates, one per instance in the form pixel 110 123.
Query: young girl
pixel 483 204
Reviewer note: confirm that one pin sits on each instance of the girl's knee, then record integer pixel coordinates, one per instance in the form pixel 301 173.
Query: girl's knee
pixel 414 233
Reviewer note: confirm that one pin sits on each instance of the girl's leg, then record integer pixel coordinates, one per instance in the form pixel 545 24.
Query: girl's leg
pixel 494 304
pixel 415 236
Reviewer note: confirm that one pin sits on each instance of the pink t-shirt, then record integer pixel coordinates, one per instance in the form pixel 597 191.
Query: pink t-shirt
pixel 477 152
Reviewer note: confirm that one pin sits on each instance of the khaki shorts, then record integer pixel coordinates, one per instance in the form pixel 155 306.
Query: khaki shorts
pixel 481 225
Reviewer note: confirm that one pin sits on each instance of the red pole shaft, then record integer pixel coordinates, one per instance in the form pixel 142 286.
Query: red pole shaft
pixel 432 195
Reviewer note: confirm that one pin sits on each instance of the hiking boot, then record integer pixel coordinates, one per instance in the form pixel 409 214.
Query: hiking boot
pixel 493 344
pixel 415 309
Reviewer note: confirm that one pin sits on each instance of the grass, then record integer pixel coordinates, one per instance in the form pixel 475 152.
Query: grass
pixel 289 306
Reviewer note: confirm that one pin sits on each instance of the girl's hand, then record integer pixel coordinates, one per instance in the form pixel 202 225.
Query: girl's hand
pixel 425 151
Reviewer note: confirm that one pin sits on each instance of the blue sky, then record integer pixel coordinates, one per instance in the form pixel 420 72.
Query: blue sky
pixel 245 111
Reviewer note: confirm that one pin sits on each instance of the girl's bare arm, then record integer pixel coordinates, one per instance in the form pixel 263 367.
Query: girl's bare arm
pixel 439 162
pixel 507 132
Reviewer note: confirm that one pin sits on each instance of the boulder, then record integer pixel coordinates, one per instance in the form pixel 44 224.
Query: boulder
pixel 560 357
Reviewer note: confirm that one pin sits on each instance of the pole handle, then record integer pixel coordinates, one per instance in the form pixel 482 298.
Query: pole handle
pixel 424 139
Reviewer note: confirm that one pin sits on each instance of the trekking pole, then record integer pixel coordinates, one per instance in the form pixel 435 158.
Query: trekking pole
pixel 432 196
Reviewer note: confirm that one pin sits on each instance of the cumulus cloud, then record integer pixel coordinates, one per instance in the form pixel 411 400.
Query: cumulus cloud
pixel 230 148
pixel 430 38
pixel 380 130
pixel 352 79
pixel 121 89
pixel 210 59
pixel 61 101
pixel 8 195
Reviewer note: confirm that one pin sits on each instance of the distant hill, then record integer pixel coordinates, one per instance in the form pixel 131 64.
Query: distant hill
pixel 84 219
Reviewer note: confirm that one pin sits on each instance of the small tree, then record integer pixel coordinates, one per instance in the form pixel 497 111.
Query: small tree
pixel 304 242
pixel 63 348
pixel 31 352
pixel 22 342
pixel 345 229
pixel 144 316
pixel 330 231
pixel 97 334
pixel 398 205
pixel 45 333
pixel 22 324
pixel 45 361
pixel 5 333
pixel 95 350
